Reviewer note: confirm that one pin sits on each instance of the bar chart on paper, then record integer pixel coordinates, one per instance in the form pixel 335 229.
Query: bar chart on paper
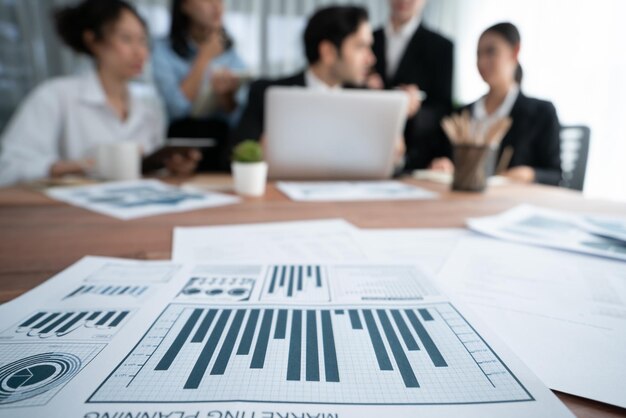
pixel 108 291
pixel 296 282
pixel 79 324
pixel 410 354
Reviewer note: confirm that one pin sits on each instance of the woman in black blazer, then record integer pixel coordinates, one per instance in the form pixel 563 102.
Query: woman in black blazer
pixel 534 136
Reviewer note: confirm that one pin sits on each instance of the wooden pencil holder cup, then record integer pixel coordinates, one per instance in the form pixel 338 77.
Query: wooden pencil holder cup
pixel 473 165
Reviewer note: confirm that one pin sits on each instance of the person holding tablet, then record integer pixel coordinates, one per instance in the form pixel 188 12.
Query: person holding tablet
pixel 199 75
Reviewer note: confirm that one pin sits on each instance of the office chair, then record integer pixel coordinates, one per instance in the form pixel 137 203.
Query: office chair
pixel 574 153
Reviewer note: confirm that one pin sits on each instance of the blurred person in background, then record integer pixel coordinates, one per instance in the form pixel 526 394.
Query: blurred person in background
pixel 411 57
pixel 338 46
pixel 58 127
pixel 199 74
pixel 533 140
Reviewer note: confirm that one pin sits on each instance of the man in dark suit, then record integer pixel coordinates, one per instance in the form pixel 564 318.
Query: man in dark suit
pixel 338 45
pixel 411 57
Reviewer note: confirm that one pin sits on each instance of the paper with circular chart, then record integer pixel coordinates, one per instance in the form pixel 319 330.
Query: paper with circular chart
pixel 119 338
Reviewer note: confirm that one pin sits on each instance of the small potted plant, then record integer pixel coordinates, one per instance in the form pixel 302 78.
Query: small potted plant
pixel 249 169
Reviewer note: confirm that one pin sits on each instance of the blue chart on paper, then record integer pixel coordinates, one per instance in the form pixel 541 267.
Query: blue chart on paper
pixel 291 282
pixel 71 324
pixel 108 290
pixel 413 354
pixel 138 196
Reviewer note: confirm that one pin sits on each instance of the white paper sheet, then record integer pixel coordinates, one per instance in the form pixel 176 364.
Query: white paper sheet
pixel 217 341
pixel 447 178
pixel 429 248
pixel 548 228
pixel 138 198
pixel 319 240
pixel 563 314
pixel 345 191
pixel 605 226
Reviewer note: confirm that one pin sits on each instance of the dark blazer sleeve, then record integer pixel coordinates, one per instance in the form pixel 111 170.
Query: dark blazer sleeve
pixel 424 128
pixel 547 147
pixel 251 122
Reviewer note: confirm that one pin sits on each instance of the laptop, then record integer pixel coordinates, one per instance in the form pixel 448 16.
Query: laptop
pixel 342 135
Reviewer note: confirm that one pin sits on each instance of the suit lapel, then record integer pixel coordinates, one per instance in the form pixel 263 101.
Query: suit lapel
pixel 518 113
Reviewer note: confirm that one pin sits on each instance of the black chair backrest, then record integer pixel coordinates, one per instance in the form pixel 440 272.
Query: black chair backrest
pixel 574 153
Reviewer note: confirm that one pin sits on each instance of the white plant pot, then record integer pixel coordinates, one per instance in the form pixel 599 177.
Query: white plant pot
pixel 250 178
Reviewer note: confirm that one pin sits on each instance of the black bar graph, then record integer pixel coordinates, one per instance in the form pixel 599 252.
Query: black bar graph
pixel 228 345
pixel 175 348
pixel 108 290
pixel 203 353
pixel 248 334
pixel 304 326
pixel 197 373
pixel 312 356
pixel 281 325
pixel 330 353
pixel 288 282
pixel 44 324
pixel 295 347
pixel 258 358
pixel 204 326
pixel 429 345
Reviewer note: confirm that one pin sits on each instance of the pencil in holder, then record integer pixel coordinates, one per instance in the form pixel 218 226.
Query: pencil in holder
pixel 474 164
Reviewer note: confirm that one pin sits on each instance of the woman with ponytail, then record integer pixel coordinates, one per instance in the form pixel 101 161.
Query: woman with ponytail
pixel 58 127
pixel 533 139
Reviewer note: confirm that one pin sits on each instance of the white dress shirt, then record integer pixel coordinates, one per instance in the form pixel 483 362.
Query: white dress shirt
pixel 397 42
pixel 485 120
pixel 65 119
pixel 313 82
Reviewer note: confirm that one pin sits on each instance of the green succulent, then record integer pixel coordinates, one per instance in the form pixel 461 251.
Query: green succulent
pixel 248 151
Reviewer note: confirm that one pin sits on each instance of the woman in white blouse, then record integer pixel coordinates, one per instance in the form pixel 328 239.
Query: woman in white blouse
pixel 57 128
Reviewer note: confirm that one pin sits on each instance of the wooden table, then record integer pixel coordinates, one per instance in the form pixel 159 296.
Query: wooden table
pixel 41 237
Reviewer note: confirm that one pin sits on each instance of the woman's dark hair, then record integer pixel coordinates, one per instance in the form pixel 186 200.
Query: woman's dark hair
pixel 89 15
pixel 179 31
pixel 333 24
pixel 511 35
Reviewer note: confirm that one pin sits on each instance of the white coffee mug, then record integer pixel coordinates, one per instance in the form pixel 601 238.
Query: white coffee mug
pixel 118 161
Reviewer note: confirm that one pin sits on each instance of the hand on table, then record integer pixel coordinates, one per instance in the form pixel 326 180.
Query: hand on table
pixel 442 164
pixel 522 173
pixel 77 167
pixel 183 164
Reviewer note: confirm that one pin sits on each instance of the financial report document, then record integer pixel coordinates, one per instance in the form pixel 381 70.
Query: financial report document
pixel 139 198
pixel 587 234
pixel 346 191
pixel 110 336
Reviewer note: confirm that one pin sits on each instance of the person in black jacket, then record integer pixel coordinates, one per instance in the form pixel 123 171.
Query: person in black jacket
pixel 337 41
pixel 533 139
pixel 412 57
